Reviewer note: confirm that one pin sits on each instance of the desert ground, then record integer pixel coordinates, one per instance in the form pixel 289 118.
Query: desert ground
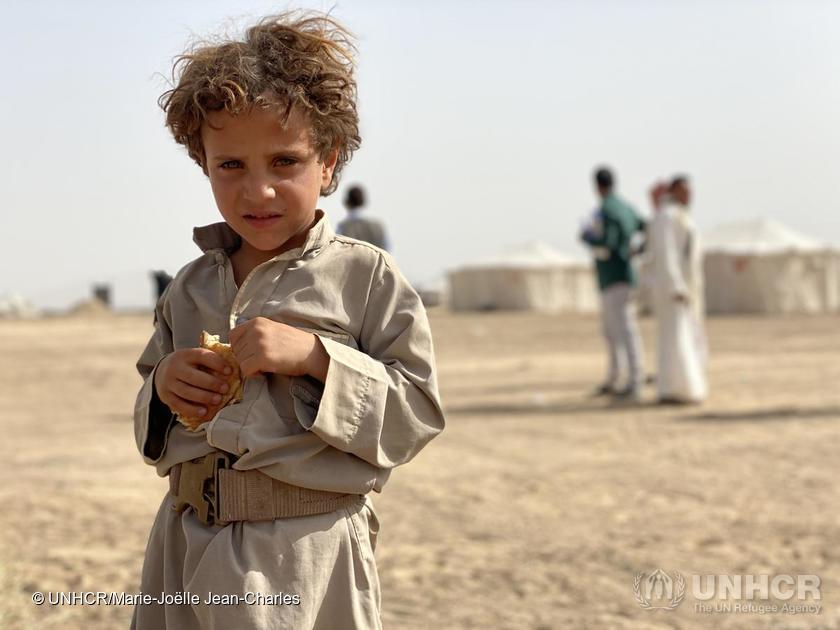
pixel 535 508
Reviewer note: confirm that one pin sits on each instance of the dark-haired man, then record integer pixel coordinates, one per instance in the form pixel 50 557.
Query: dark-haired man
pixel 358 227
pixel 610 235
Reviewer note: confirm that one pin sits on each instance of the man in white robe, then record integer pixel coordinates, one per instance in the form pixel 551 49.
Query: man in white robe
pixel 678 296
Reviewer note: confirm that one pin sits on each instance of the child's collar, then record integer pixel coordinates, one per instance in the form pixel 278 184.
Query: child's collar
pixel 221 236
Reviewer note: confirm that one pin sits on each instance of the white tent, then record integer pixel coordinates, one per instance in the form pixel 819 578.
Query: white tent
pixel 15 306
pixel 762 266
pixel 533 277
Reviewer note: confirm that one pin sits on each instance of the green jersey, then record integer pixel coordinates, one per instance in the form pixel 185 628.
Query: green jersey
pixel 610 236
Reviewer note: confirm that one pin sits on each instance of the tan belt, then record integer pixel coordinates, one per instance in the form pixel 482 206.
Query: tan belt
pixel 219 494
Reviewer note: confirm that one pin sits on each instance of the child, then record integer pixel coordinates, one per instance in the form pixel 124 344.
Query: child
pixel 268 523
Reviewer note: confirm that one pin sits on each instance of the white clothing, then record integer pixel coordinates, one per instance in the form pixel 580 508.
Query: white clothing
pixel 677 270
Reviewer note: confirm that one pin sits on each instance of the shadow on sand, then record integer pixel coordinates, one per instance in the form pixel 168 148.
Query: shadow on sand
pixel 548 408
pixel 518 388
pixel 772 414
pixel 600 406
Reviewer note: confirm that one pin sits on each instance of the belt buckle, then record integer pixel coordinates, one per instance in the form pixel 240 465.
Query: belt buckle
pixel 198 487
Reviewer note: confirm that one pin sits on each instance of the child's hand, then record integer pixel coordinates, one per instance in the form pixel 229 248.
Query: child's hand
pixel 189 381
pixel 263 345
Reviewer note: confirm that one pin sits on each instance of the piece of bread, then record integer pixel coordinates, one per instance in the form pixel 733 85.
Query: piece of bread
pixel 234 381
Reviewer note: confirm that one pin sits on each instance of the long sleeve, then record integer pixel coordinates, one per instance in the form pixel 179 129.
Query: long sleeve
pixel 152 419
pixel 381 403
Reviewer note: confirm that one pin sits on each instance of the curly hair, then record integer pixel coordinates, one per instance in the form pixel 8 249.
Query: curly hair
pixel 293 59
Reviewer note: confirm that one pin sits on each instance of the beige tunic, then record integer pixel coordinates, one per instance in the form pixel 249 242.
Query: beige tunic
pixel 378 408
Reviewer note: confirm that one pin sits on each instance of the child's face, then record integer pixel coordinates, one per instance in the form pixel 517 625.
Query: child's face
pixel 266 177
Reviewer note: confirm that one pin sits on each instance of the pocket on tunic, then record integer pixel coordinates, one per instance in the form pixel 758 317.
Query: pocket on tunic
pixel 373 523
pixel 306 391
pixel 359 524
pixel 306 398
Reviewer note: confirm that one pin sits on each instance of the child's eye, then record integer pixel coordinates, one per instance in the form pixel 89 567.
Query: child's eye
pixel 230 164
pixel 284 161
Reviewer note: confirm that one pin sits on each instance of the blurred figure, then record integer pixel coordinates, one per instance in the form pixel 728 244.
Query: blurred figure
pixel 361 228
pixel 161 280
pixel 678 295
pixel 102 292
pixel 609 234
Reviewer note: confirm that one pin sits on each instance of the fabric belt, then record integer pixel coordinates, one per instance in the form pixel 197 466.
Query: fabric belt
pixel 218 494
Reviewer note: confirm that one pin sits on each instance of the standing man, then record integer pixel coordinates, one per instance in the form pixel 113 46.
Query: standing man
pixel 678 296
pixel 361 228
pixel 609 235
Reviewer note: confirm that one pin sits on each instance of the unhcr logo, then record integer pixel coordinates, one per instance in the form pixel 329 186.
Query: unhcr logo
pixel 659 591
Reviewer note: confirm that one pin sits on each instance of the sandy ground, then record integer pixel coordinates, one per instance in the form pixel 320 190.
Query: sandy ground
pixel 535 508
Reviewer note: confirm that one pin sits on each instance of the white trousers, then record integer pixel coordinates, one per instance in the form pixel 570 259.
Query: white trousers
pixel 621 331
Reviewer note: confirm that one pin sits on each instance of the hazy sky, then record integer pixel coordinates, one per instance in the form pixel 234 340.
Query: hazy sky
pixel 481 124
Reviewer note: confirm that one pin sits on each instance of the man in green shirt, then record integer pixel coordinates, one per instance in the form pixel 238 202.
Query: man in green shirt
pixel 610 236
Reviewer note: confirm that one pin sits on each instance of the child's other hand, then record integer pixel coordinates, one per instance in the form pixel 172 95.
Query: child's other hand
pixel 189 381
pixel 263 345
